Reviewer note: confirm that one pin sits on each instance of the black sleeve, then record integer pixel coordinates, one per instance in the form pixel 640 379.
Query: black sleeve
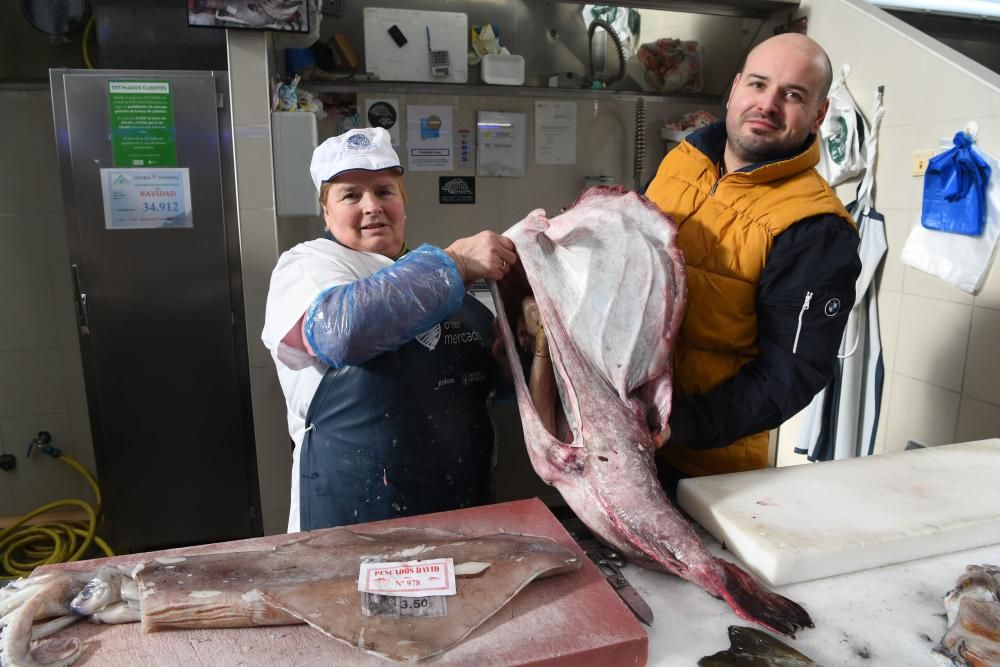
pixel 805 294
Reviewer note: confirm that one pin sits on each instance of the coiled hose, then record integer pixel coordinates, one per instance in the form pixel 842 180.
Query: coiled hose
pixel 84 42
pixel 601 23
pixel 639 143
pixel 23 547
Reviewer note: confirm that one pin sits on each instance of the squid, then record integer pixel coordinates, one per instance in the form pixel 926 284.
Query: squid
pixel 311 579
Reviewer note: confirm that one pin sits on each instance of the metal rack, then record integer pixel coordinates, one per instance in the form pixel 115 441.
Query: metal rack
pixel 759 9
pixel 425 88
pixel 548 34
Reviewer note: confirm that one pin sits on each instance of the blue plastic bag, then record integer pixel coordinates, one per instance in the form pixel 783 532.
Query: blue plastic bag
pixel 955 190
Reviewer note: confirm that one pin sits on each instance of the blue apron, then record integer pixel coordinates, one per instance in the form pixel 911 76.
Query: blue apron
pixel 405 433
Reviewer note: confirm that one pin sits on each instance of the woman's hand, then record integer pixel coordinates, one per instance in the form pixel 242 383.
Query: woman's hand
pixel 485 255
pixel 660 438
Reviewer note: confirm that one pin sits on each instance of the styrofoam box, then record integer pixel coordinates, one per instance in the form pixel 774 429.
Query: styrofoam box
pixel 503 69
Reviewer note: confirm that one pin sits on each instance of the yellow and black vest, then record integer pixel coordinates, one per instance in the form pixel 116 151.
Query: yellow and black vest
pixel 726 229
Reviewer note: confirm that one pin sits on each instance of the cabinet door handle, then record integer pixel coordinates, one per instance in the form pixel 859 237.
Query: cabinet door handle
pixel 80 298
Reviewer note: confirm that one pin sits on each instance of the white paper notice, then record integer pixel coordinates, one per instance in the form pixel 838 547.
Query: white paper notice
pixel 500 143
pixel 429 143
pixel 156 198
pixel 412 579
pixel 555 132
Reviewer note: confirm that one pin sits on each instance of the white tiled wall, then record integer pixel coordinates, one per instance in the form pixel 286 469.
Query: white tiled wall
pixel 982 372
pixel 942 373
pixel 41 376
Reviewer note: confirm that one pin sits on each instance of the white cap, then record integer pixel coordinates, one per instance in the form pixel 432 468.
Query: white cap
pixel 367 148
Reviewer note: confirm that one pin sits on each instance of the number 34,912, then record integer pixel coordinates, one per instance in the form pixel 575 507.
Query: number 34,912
pixel 161 207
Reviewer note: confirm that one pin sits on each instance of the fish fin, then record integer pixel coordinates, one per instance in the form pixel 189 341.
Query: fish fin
pixel 751 646
pixel 753 602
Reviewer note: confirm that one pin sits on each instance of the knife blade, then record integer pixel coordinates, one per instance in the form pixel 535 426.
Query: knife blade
pixel 620 584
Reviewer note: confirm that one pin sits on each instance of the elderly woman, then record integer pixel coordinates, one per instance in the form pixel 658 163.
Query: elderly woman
pixel 384 359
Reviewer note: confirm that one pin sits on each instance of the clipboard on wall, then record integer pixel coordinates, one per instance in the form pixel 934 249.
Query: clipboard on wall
pixel 396 44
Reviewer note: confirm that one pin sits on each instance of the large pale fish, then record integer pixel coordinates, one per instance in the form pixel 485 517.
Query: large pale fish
pixel 315 581
pixel 610 288
pixel 311 579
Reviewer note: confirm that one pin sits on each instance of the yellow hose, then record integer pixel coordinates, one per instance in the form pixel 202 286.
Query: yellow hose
pixel 84 46
pixel 23 548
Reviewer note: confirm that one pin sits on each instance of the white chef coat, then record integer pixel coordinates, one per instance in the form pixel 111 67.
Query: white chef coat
pixel 300 276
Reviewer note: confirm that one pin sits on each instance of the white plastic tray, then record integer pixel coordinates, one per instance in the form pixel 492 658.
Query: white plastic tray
pixel 504 70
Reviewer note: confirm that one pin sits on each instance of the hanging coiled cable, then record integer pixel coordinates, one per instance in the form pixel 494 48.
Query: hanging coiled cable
pixel 25 547
pixel 639 143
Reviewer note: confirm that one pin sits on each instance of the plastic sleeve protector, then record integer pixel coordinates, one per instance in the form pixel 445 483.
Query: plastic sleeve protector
pixel 350 324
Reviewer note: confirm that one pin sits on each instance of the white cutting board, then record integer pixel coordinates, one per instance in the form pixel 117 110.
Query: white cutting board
pixel 817 520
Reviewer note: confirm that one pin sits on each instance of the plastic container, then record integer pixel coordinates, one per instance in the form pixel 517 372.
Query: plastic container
pixel 503 70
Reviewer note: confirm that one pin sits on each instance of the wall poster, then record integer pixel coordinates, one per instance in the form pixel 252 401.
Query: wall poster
pixel 500 143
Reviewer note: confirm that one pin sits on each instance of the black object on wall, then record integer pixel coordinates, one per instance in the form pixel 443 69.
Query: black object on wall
pixel 154 34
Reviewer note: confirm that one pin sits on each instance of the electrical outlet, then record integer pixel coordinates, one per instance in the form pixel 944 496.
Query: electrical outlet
pixel 920 160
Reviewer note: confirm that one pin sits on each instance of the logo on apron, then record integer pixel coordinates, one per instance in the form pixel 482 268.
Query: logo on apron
pixel 430 338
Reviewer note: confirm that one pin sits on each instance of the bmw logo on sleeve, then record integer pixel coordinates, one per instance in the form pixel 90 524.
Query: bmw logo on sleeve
pixel 832 307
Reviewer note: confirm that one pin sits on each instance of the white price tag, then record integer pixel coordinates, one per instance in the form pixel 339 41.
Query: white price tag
pixel 391 606
pixel 413 579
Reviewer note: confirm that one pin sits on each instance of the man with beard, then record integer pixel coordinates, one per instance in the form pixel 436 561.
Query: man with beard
pixel 771 257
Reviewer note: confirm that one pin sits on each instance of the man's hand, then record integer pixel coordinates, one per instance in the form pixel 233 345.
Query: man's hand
pixel 485 255
pixel 527 324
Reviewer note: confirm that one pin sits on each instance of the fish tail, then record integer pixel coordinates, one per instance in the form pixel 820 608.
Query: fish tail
pixel 753 602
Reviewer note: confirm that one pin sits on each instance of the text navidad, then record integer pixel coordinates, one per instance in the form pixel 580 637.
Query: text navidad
pixel 159 200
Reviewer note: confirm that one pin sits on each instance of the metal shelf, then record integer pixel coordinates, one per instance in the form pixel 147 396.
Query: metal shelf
pixel 757 9
pixel 23 84
pixel 424 88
